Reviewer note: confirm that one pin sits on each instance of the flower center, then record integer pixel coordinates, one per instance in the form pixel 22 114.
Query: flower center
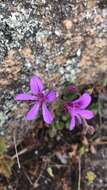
pixel 77 105
pixel 67 106
pixel 41 97
pixel 70 105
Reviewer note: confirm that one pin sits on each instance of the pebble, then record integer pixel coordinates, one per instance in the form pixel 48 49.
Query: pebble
pixel 36 152
pixel 79 52
pixel 69 68
pixel 61 70
pixel 28 65
pixel 58 32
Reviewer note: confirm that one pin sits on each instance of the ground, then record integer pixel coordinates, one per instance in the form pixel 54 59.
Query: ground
pixel 61 41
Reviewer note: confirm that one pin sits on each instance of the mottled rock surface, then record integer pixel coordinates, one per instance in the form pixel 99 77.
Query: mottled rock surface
pixel 58 40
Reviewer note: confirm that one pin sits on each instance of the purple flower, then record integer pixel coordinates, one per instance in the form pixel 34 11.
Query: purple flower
pixel 39 98
pixel 77 109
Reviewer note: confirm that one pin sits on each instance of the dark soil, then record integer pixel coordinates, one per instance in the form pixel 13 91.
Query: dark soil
pixel 41 154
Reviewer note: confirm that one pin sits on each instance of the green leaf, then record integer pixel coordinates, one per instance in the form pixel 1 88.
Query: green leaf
pixel 83 150
pixel 2 146
pixel 57 125
pixel 50 172
pixel 90 176
pixel 94 106
pixel 70 96
pixel 67 124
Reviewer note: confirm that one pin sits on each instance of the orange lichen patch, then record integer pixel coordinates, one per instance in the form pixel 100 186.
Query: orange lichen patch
pixel 98 19
pixel 90 4
pixel 101 43
pixel 10 69
pixel 3 82
pixel 67 24
pixel 90 31
pixel 60 60
pixel 26 52
pixel 22 110
pixel 54 78
pixel 71 40
pixel 93 62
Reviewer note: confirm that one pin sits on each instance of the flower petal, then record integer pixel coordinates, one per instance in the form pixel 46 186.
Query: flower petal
pixel 47 115
pixel 78 118
pixel 36 85
pixel 72 122
pixel 51 96
pixel 32 114
pixel 83 101
pixel 24 96
pixel 86 114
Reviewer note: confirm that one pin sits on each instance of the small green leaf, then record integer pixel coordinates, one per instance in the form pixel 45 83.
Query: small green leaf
pixel 67 124
pixel 90 176
pixel 83 150
pixel 57 125
pixel 70 96
pixel 2 146
pixel 50 172
pixel 94 106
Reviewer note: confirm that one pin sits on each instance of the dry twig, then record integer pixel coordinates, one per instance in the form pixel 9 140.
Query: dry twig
pixel 14 138
pixel 20 153
pixel 79 176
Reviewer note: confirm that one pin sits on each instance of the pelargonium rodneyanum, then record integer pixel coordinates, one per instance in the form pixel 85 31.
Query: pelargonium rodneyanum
pixel 40 99
pixel 77 110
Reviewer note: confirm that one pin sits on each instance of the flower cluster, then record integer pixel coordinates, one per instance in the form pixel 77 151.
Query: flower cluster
pixel 40 100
